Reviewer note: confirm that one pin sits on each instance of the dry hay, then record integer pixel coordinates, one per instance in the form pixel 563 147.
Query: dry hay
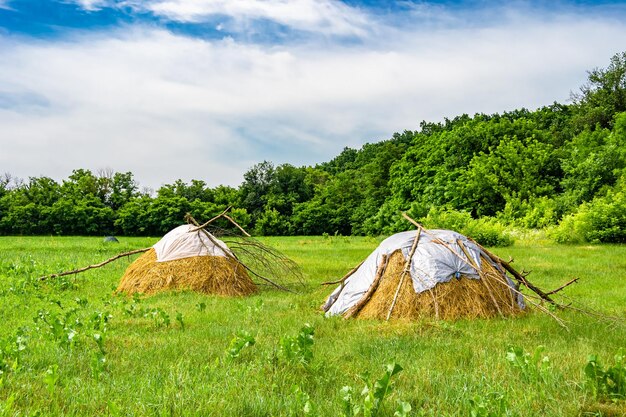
pixel 208 274
pixel 458 298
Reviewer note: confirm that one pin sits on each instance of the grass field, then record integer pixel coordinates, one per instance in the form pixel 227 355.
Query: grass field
pixel 71 347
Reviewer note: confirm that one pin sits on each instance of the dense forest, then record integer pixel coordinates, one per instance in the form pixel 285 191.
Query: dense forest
pixel 561 168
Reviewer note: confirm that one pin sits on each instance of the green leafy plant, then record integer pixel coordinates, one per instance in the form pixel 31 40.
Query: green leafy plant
pixel 82 302
pixel 492 405
pixel 299 348
pixel 240 341
pixel 404 409
pixel 51 377
pixel 99 339
pixel 99 320
pixel 159 316
pixel 98 362
pixel 11 349
pixel 609 383
pixel 179 319
pixel 304 401
pixel 60 327
pixel 532 367
pixel 253 310
pixel 372 395
pixel 134 309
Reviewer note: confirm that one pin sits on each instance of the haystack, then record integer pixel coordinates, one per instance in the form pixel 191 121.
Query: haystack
pixel 188 258
pixel 426 273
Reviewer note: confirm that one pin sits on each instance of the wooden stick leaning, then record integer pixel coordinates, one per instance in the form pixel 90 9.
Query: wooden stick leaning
pixel 345 277
pixel 506 265
pixel 222 214
pixel 521 278
pixel 208 222
pixel 354 310
pixel 227 217
pixel 228 253
pixel 79 270
pixel 407 267
pixel 481 274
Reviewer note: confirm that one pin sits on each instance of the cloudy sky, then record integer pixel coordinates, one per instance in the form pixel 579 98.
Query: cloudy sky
pixel 205 89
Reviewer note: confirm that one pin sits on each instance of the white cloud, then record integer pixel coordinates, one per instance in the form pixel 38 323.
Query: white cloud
pixel 165 106
pixel 4 4
pixel 92 5
pixel 329 16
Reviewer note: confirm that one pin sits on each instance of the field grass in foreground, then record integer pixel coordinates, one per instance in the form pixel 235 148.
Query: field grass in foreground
pixel 71 347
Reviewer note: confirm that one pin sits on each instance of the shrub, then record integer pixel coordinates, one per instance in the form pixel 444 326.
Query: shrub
pixel 536 213
pixel 601 220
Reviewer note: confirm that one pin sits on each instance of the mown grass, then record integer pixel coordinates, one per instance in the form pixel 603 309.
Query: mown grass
pixel 152 367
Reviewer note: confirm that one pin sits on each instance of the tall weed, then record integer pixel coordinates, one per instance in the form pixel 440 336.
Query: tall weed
pixel 610 383
pixel 372 395
pixel 299 348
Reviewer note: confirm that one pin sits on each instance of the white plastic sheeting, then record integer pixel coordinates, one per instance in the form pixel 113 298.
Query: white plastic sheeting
pixel 437 258
pixel 181 243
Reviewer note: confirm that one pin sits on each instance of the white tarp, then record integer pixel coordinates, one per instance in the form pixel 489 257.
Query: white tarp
pixel 181 243
pixel 437 258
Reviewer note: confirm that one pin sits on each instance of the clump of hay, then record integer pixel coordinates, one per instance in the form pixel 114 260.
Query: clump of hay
pixel 461 297
pixel 207 274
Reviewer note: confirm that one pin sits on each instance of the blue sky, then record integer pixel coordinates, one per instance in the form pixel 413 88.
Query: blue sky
pixel 204 89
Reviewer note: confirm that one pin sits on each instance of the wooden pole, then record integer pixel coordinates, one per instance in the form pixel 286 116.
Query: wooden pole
pixel 345 277
pixel 222 214
pixel 236 225
pixel 521 278
pixel 354 310
pixel 407 266
pixel 205 224
pixel 480 274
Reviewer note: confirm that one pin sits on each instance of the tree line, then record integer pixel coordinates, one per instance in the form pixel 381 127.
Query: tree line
pixel 560 167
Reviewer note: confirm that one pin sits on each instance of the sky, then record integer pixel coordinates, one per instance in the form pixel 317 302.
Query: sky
pixel 205 89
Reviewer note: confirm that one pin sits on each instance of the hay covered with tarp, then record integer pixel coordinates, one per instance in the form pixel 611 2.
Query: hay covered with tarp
pixel 427 273
pixel 462 297
pixel 207 274
pixel 191 257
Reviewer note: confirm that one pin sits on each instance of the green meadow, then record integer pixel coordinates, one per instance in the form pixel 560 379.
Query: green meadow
pixel 69 346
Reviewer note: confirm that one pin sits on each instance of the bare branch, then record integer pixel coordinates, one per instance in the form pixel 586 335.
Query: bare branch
pixel 79 270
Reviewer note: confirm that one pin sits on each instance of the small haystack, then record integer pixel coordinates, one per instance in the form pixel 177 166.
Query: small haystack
pixel 426 273
pixel 191 257
pixel 188 258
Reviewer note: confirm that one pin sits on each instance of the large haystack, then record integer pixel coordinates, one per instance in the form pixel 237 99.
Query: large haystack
pixel 426 273
pixel 187 258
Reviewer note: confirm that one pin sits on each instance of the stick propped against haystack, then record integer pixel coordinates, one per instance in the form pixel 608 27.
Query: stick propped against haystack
pixel 191 257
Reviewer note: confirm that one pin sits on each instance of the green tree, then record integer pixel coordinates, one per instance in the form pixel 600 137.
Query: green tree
pixel 603 96
pixel 195 190
pixel 255 188
pixel 514 171
pixel 594 161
